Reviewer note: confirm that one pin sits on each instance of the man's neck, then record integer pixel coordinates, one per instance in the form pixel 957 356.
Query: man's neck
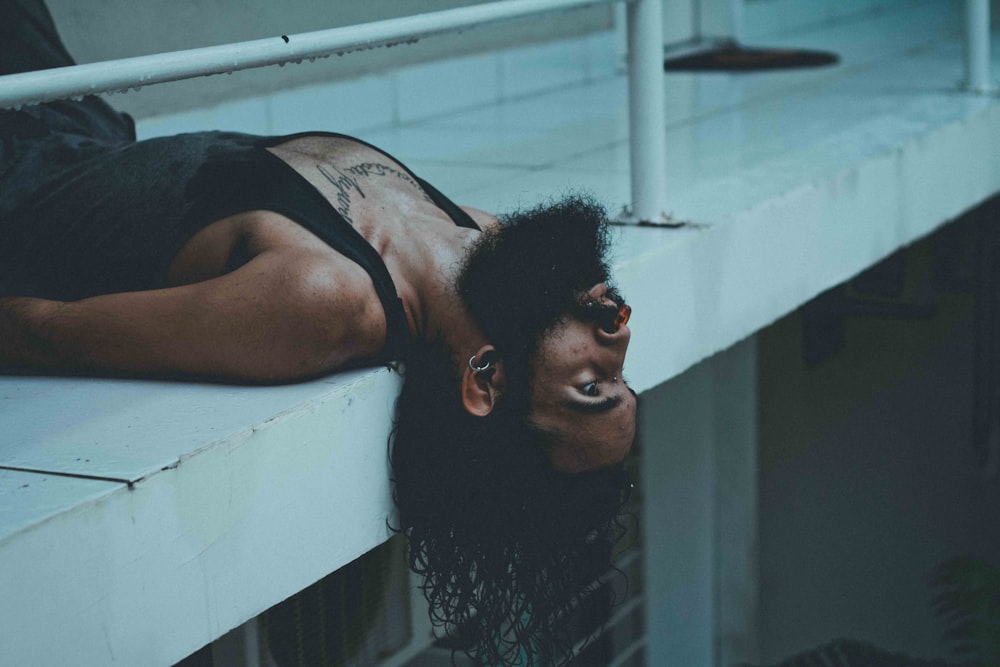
pixel 439 314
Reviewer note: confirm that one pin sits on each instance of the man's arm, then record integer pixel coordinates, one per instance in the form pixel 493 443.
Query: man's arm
pixel 284 315
pixel 24 338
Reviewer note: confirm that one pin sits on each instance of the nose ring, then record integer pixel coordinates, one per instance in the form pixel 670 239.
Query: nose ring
pixel 622 318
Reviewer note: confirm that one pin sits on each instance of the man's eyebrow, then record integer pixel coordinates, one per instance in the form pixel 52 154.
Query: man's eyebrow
pixel 595 407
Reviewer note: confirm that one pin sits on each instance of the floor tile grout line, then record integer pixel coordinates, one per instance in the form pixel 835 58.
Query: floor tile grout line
pixel 98 478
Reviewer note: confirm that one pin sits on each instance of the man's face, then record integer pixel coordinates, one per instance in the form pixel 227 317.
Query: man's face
pixel 578 393
pixel 524 285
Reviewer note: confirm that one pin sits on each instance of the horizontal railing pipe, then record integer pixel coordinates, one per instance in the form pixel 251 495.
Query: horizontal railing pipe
pixel 130 73
pixel 646 81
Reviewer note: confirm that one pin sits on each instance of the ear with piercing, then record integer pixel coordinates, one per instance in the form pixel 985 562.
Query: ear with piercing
pixel 479 368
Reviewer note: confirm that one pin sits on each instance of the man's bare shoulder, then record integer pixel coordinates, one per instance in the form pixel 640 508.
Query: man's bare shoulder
pixel 483 219
pixel 326 304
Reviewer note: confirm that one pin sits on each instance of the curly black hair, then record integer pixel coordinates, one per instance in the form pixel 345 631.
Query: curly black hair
pixel 506 544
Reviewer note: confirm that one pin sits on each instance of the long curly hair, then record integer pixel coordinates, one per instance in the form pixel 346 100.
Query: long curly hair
pixel 506 545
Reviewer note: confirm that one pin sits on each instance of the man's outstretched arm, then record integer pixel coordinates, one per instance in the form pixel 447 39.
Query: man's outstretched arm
pixel 281 316
pixel 24 333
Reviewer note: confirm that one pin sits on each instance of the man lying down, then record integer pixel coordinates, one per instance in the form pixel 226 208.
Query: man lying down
pixel 250 259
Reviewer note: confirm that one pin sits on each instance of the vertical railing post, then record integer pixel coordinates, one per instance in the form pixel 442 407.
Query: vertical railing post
pixel 977 46
pixel 251 642
pixel 647 112
pixel 736 20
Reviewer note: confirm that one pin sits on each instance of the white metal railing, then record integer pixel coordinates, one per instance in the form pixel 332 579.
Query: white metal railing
pixel 646 85
pixel 647 113
pixel 126 73
pixel 977 46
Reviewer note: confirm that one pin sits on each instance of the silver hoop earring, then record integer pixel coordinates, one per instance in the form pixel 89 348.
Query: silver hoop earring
pixel 478 369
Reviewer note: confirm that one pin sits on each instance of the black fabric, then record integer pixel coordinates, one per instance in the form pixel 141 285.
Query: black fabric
pixel 112 222
pixel 29 42
pixel 87 210
pixel 79 219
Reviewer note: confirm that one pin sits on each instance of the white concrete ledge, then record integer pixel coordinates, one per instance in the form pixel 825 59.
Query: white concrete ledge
pixel 140 520
pixel 714 285
pixel 207 535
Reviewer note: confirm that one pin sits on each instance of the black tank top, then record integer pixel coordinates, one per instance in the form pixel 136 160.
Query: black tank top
pixel 87 210
pixel 80 216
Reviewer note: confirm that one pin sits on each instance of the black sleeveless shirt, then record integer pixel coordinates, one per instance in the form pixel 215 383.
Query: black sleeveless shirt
pixel 84 216
pixel 87 210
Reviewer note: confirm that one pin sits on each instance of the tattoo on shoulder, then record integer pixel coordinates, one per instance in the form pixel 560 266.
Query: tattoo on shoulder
pixel 370 169
pixel 345 185
pixel 345 181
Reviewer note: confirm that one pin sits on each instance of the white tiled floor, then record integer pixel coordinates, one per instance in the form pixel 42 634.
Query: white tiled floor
pixel 732 140
pixel 500 130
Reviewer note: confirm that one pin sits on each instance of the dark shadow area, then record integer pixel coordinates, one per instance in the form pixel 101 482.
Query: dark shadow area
pixel 879 485
pixel 735 57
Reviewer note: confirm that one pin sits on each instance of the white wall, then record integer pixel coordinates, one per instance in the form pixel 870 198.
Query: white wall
pixel 699 514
